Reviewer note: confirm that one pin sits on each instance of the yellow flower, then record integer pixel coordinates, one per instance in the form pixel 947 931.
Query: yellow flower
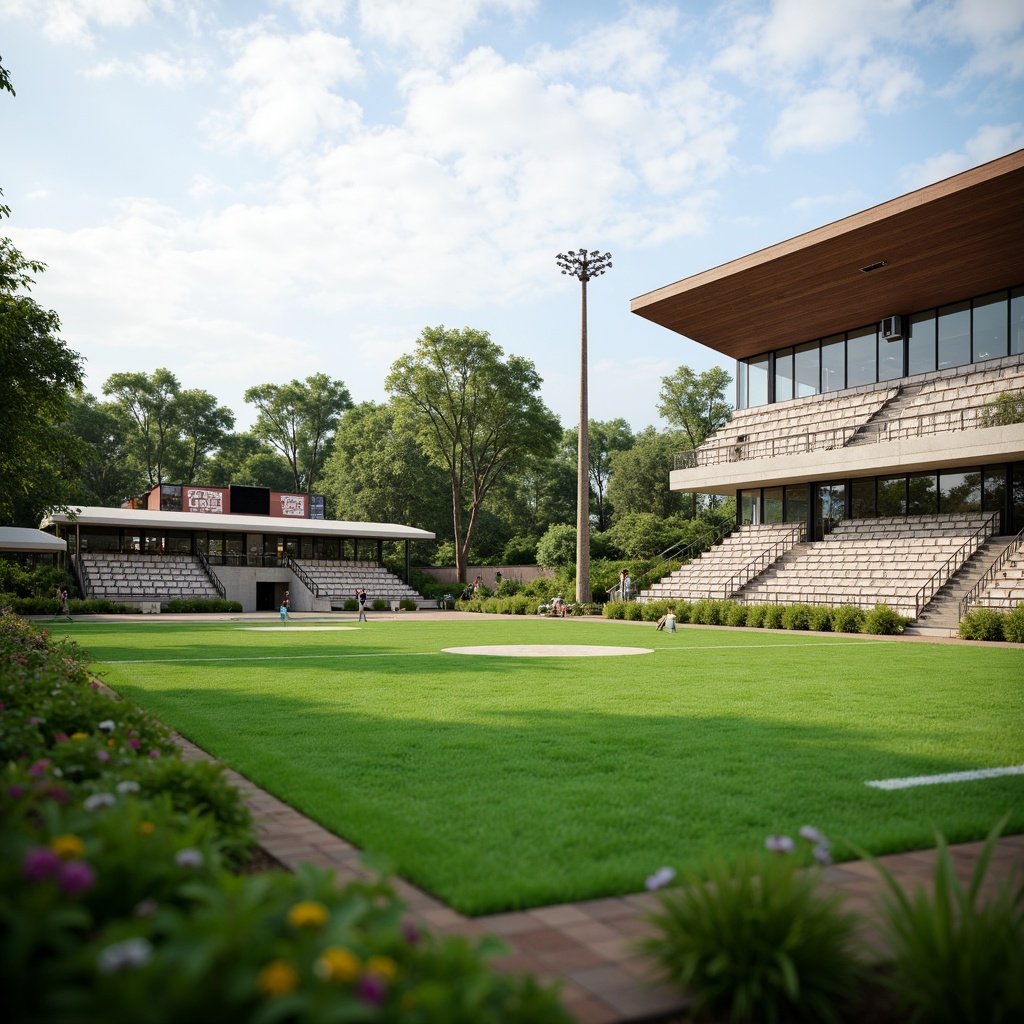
pixel 79 735
pixel 382 966
pixel 308 914
pixel 277 978
pixel 146 828
pixel 67 847
pixel 337 964
pixel 110 743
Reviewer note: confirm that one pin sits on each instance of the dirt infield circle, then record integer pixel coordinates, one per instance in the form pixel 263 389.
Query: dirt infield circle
pixel 548 651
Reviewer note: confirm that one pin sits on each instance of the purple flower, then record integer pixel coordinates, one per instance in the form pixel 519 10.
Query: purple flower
pixel 102 756
pixel 134 744
pixel 660 879
pixel 15 792
pixel 822 854
pixel 154 753
pixel 372 989
pixel 39 768
pixel 812 835
pixel 40 864
pixel 76 876
pixel 58 794
pixel 779 844
pixel 188 858
pixel 60 737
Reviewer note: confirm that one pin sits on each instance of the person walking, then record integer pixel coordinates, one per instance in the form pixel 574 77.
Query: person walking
pixel 286 602
pixel 361 598
pixel 62 602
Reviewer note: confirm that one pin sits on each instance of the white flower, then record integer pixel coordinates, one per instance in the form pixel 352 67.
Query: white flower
pixel 128 786
pixel 188 858
pixel 779 844
pixel 107 725
pixel 125 955
pixel 660 879
pixel 822 854
pixel 98 800
pixel 812 835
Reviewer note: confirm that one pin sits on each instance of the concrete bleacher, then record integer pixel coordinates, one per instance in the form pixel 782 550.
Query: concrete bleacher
pixel 338 579
pixel 136 577
pixel 722 567
pixel 864 562
pixel 1006 590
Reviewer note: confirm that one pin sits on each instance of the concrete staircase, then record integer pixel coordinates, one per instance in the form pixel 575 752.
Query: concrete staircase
pixel 941 616
pixel 891 410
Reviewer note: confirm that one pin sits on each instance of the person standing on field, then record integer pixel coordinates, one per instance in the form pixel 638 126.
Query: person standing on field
pixel 361 598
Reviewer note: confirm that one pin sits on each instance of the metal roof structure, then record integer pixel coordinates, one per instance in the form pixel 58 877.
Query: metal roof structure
pixel 958 238
pixel 22 540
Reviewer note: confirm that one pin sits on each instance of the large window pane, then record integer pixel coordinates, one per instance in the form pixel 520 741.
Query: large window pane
pixel 797 505
pixel 1017 321
pixel 923 495
pixel 833 363
pixel 860 357
pixel 783 375
pixel 994 488
pixel 863 498
pixel 741 384
pixel 890 358
pixel 960 492
pixel 892 495
pixel 757 382
pixel 750 507
pixel 807 369
pixel 921 345
pixel 773 505
pixel 954 335
pixel 988 326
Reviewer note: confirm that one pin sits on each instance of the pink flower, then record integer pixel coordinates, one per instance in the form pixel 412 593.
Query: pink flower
pixel 15 792
pixel 58 794
pixel 95 685
pixel 60 737
pixel 40 864
pixel 77 876
pixel 40 767
pixel 134 744
pixel 154 753
pixel 410 931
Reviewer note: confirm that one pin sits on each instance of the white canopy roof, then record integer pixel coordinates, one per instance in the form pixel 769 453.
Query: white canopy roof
pixel 19 538
pixel 140 519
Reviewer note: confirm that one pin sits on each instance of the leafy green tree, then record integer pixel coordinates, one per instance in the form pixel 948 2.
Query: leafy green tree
pixel 557 547
pixel 39 460
pixel 643 534
pixel 695 402
pixel 639 479
pixel 203 426
pixel 474 414
pixel 606 438
pixel 149 405
pixel 243 458
pixel 108 475
pixel 299 419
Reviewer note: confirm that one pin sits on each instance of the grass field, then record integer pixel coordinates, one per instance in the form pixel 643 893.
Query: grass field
pixel 505 782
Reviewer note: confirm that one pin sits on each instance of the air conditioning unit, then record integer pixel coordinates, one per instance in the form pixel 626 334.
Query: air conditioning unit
pixel 892 328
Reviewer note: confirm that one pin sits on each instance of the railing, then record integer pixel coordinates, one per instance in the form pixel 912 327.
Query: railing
pixel 954 562
pixel 304 578
pixel 972 596
pixel 743 576
pixel 683 552
pixel 81 572
pixel 940 422
pixel 211 575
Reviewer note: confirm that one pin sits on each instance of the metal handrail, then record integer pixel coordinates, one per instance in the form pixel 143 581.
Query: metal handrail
pixel 81 572
pixel 762 561
pixel 683 552
pixel 304 578
pixel 1008 552
pixel 956 559
pixel 211 575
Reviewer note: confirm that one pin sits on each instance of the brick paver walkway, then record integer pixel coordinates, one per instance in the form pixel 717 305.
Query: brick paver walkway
pixel 589 945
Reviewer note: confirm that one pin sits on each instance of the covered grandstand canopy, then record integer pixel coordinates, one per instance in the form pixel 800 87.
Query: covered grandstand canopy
pixel 130 518
pixel 957 238
pixel 20 540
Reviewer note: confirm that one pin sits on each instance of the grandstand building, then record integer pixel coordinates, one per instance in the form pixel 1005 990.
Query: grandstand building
pixel 876 452
pixel 245 544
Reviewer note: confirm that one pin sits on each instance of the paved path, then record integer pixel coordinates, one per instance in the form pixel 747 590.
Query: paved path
pixel 589 945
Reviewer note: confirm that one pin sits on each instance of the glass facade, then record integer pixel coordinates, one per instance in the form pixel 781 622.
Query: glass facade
pixel 986 327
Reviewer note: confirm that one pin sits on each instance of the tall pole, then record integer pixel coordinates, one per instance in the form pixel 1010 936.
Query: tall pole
pixel 584 266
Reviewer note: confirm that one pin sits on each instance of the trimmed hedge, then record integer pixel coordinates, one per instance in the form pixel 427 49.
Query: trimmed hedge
pixel 202 605
pixel 990 624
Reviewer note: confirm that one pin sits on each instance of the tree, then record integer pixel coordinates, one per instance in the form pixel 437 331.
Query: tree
pixel 204 425
pixel 606 438
pixel 557 547
pixel 38 375
pixel 149 402
pixel 299 419
pixel 474 414
pixel 640 476
pixel 108 476
pixel 696 403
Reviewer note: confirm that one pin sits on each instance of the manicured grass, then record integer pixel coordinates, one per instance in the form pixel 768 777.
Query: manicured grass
pixel 501 783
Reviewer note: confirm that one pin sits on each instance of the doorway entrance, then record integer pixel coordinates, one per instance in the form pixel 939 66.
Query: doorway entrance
pixel 265 599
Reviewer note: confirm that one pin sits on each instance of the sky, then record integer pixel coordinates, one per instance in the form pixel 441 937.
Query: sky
pixel 251 191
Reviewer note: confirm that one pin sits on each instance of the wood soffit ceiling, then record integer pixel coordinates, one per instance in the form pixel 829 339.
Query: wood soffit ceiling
pixel 958 238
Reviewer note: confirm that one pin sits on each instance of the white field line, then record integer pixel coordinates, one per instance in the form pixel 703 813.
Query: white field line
pixel 416 654
pixel 935 780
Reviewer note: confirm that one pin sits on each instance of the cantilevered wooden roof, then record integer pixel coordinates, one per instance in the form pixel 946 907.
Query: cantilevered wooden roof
pixel 958 238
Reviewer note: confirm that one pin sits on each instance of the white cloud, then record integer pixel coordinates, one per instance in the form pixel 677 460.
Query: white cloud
pixel 37 193
pixel 73 21
pixel 285 90
pixel 818 121
pixel 153 69
pixel 317 12
pixel 989 143
pixel 430 29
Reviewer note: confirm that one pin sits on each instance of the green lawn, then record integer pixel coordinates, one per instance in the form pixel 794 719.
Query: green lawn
pixel 508 782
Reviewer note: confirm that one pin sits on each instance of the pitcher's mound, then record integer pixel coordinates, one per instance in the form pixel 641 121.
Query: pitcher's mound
pixel 548 651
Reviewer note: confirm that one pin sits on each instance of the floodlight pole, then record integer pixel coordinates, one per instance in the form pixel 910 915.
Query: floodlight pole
pixel 584 266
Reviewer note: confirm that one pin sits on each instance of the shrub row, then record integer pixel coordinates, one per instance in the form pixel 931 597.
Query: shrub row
pixel 202 605
pixel 116 904
pixel 989 624
pixel 49 606
pixel 881 620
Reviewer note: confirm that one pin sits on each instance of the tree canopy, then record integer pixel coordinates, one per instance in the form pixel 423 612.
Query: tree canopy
pixel 474 414
pixel 695 402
